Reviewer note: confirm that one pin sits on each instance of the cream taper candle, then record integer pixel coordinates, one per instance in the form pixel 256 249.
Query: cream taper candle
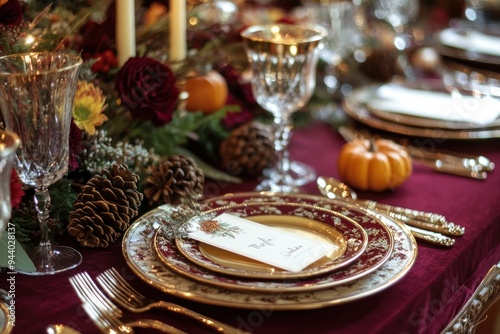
pixel 177 29
pixel 125 30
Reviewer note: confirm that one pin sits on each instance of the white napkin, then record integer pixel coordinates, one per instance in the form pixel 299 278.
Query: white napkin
pixel 436 105
pixel 472 40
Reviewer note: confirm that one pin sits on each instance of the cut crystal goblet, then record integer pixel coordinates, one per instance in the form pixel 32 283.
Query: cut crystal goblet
pixel 283 61
pixel 36 98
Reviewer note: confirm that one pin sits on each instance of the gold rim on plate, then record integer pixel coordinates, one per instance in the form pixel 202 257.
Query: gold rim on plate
pixel 355 107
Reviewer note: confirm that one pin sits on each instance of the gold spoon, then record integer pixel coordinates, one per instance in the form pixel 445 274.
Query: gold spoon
pixel 425 231
pixel 333 188
pixel 61 329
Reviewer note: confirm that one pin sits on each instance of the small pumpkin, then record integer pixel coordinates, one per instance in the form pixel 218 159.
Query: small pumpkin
pixel 375 165
pixel 207 92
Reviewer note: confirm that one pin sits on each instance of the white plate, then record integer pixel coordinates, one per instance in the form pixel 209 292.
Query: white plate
pixel 355 107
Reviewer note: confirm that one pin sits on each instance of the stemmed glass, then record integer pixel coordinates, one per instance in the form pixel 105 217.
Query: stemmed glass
pixel 283 60
pixel 342 21
pixel 398 13
pixel 36 99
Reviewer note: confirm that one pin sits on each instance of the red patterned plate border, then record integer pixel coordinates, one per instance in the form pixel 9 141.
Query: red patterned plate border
pixel 378 250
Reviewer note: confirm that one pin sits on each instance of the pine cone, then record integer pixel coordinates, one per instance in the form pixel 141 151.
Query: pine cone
pixel 172 179
pixel 105 207
pixel 248 149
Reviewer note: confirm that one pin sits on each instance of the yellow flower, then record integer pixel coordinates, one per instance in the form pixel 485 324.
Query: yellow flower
pixel 88 107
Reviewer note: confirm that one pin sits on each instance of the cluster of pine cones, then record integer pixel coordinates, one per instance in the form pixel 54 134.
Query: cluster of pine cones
pixel 109 202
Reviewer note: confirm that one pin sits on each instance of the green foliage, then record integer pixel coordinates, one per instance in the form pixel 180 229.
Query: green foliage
pixel 62 197
pixel 14 257
pixel 185 126
pixel 25 219
pixel 25 222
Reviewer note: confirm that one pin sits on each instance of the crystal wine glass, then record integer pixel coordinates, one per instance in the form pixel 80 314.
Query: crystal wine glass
pixel 342 20
pixel 398 13
pixel 283 60
pixel 36 99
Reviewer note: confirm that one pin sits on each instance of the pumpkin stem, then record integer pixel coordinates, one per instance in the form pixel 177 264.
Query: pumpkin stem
pixel 372 145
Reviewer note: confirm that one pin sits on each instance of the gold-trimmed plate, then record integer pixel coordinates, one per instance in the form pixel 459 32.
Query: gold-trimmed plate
pixel 455 51
pixel 412 120
pixel 141 258
pixel 355 107
pixel 378 250
pixel 303 219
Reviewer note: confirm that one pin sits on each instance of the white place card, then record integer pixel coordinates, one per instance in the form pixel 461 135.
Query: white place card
pixel 270 245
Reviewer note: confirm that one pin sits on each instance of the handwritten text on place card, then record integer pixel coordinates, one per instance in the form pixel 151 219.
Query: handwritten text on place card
pixel 270 245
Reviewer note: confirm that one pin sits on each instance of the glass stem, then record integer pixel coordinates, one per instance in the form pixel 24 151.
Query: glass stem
pixel 282 130
pixel 42 205
pixel 402 43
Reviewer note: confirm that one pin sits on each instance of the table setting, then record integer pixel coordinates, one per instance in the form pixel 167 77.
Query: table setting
pixel 247 167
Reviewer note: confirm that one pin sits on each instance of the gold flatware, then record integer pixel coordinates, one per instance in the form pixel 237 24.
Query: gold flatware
pixel 434 238
pixel 108 323
pixel 476 163
pixel 105 314
pixel 442 166
pixel 127 297
pixel 329 188
pixel 61 329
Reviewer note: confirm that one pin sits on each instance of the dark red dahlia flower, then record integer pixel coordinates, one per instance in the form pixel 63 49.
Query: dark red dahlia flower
pixel 75 146
pixel 16 189
pixel 11 13
pixel 148 88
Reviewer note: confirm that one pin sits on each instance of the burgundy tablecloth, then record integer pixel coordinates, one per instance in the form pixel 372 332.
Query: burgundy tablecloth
pixel 424 301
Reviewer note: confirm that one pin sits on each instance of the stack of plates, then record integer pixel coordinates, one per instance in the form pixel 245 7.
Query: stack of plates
pixel 463 42
pixel 373 252
pixel 424 111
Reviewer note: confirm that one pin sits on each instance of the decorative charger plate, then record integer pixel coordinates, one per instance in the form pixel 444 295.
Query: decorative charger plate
pixel 141 258
pixel 378 250
pixel 300 218
pixel 355 107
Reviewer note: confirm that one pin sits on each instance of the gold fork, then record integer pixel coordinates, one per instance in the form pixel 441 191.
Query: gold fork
pixel 105 314
pixel 127 297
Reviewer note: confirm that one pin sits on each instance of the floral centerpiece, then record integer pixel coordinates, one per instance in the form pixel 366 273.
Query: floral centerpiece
pixel 131 130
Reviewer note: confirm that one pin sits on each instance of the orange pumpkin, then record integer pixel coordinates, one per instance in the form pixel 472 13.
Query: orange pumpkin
pixel 207 92
pixel 374 165
pixel 155 11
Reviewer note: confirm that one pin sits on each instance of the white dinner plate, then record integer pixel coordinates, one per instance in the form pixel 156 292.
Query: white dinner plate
pixel 356 107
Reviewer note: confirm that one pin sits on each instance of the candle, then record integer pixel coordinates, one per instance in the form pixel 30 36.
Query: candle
pixel 125 30
pixel 177 19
